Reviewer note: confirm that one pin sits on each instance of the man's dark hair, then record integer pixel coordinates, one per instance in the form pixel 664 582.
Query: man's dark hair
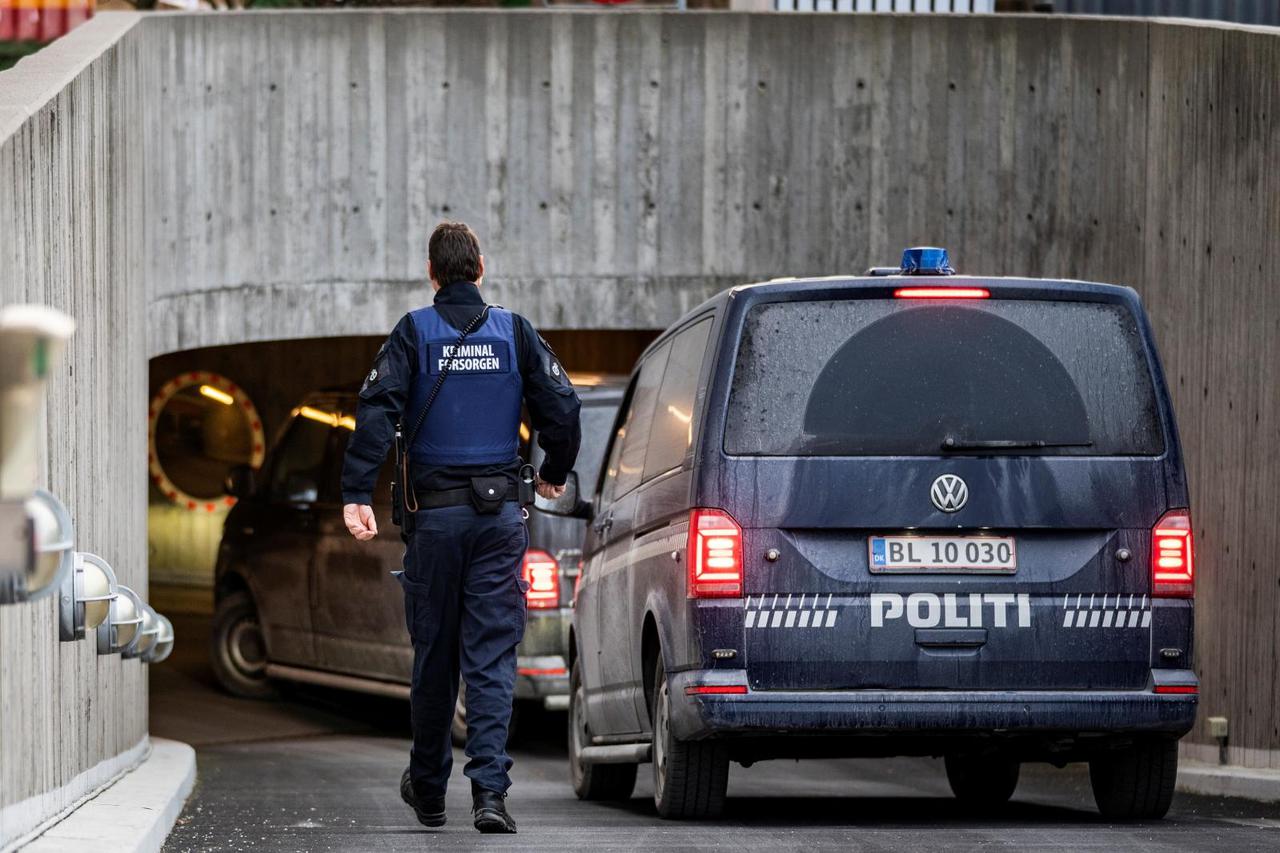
pixel 454 252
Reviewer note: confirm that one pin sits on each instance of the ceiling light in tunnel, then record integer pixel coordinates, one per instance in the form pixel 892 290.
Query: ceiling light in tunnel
pixel 84 601
pixel 217 394
pixel 119 633
pixel 332 419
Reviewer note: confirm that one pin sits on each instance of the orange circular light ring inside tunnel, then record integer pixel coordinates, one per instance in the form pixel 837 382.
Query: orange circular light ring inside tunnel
pixel 219 391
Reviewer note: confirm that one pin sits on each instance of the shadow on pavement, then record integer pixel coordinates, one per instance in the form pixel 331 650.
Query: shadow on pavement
pixel 875 811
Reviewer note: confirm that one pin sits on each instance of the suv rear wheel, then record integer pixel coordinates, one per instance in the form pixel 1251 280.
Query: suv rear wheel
pixel 1136 783
pixel 239 652
pixel 690 778
pixel 458 727
pixel 984 781
pixel 592 781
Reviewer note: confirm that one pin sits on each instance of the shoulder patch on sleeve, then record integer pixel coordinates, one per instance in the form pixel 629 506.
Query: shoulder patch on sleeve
pixel 378 373
pixel 551 364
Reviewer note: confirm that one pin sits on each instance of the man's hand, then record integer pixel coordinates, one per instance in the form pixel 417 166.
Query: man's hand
pixel 360 521
pixel 546 490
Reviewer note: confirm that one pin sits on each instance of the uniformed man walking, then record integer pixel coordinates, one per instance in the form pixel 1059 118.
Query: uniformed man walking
pixel 451 379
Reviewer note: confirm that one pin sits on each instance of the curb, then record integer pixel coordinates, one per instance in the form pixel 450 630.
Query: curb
pixel 1227 780
pixel 135 814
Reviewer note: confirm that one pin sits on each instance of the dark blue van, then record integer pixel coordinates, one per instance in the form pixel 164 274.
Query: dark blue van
pixel 907 514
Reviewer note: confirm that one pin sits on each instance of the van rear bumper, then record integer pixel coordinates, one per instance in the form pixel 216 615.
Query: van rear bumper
pixel 941 712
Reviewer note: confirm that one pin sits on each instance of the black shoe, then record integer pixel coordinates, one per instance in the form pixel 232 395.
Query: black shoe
pixel 489 808
pixel 430 810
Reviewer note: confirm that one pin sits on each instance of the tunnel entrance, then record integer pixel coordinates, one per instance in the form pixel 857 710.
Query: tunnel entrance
pixel 219 407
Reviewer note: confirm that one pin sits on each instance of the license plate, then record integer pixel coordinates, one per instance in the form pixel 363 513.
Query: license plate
pixel 943 554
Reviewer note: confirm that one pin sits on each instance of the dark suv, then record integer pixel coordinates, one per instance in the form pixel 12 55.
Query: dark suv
pixel 904 514
pixel 298 599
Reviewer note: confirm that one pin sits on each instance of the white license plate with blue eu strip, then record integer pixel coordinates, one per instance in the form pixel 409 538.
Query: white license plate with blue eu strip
pixel 998 555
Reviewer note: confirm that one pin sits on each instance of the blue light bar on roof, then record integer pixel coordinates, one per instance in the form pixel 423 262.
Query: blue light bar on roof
pixel 926 260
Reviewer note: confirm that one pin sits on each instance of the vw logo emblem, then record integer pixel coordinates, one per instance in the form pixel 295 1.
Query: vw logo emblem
pixel 949 493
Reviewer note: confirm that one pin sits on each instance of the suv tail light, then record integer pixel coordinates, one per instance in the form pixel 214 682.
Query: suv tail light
pixel 542 573
pixel 715 555
pixel 1173 556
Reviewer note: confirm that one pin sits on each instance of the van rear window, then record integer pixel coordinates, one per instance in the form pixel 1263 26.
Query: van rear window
pixel 884 377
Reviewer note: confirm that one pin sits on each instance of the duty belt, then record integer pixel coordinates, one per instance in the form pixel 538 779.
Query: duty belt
pixel 456 497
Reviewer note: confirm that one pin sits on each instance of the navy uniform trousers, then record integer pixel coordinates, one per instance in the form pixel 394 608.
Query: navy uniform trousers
pixel 464 602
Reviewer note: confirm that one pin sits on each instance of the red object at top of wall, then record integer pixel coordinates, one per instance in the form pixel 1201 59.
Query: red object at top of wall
pixel 42 20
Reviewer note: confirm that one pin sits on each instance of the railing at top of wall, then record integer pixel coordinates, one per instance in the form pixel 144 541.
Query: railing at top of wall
pixel 941 6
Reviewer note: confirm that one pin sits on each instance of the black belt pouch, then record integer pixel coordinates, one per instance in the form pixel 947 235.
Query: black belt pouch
pixel 488 494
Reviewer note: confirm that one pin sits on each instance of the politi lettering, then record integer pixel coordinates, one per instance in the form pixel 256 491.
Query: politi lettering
pixel 951 610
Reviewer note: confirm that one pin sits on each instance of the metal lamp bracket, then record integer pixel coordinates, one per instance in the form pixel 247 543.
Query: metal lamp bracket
pixel 72 598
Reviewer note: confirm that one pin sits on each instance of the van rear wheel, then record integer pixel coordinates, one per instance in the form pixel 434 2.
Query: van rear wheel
pixel 1137 782
pixel 983 781
pixel 592 781
pixel 690 778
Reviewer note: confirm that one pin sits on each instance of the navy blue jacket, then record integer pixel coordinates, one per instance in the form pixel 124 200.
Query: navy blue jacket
pixel 552 404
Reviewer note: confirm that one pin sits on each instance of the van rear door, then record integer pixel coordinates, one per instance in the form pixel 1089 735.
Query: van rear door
pixel 960 492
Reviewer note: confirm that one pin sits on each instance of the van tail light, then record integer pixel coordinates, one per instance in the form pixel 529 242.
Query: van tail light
pixel 715 555
pixel 542 573
pixel 1173 556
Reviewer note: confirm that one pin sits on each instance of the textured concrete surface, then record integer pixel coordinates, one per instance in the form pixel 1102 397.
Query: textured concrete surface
pixel 133 815
pixel 621 167
pixel 331 785
pixel 70 232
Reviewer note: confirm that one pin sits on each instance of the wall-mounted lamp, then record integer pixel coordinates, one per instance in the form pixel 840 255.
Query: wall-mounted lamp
pixel 148 633
pixel 17 550
pixel 164 642
pixel 36 536
pixel 119 633
pixel 52 551
pixel 84 601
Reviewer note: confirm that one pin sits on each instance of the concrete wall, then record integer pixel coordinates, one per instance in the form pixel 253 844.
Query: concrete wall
pixel 70 223
pixel 621 166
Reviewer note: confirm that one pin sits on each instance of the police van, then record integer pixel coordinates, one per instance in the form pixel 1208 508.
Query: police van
pixel 911 513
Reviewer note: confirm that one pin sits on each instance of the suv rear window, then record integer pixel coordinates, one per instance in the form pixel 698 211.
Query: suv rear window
pixel 885 377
